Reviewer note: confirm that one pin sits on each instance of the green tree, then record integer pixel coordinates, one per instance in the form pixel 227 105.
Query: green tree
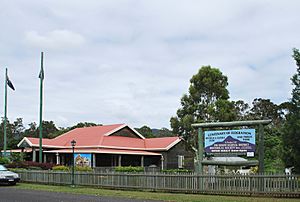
pixel 8 133
pixel 266 109
pixel 18 127
pixel 48 129
pixel 84 124
pixel 145 131
pixel 17 133
pixel 164 132
pixel 241 109
pixel 291 129
pixel 224 110
pixel 31 131
pixel 14 132
pixel 207 100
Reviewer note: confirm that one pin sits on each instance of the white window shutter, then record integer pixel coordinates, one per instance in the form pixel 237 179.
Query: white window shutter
pixel 180 161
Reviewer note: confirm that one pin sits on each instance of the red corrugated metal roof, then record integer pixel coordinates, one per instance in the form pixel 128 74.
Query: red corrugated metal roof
pixel 163 142
pixel 35 141
pixel 86 136
pixel 123 142
pixel 98 136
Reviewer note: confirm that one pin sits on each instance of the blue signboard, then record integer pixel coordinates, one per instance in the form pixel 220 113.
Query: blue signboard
pixel 230 141
pixel 83 159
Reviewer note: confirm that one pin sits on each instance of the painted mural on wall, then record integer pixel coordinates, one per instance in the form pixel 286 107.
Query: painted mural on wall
pixel 230 142
pixel 83 159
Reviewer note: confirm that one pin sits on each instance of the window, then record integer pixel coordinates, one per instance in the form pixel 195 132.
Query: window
pixel 180 161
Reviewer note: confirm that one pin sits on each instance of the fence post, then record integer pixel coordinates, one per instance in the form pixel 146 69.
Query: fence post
pixel 250 184
pixel 48 176
pixel 156 183
pixel 261 150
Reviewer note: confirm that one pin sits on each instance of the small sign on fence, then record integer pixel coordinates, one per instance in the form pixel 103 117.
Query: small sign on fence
pixel 83 159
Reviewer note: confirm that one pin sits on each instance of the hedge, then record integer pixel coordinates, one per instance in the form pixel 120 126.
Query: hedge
pixel 129 169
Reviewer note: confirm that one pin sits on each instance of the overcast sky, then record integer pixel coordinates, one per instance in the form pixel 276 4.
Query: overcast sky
pixel 130 61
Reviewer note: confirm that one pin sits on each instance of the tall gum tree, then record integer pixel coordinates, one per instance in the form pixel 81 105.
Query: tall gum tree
pixel 206 100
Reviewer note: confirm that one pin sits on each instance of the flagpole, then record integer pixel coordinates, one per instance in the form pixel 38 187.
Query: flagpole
pixel 41 111
pixel 5 111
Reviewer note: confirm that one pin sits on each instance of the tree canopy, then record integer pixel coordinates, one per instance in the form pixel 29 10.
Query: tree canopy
pixel 48 128
pixel 291 129
pixel 146 131
pixel 206 100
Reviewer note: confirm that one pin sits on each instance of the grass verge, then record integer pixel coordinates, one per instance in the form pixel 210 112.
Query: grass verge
pixel 147 195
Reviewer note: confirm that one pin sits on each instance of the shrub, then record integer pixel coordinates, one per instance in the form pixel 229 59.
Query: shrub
pixel 68 169
pixel 16 157
pixel 34 168
pixel 176 171
pixel 61 168
pixel 4 160
pixel 16 165
pixel 83 168
pixel 16 169
pixel 30 165
pixel 129 169
pixel 44 166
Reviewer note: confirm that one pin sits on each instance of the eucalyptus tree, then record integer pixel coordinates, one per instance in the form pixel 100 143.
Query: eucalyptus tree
pixel 207 100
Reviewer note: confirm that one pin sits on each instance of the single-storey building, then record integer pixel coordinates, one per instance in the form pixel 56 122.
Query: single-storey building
pixel 110 146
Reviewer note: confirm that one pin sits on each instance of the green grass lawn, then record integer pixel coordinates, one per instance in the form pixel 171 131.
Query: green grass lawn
pixel 146 195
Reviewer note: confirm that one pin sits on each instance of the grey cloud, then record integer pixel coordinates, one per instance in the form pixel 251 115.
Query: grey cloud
pixel 56 39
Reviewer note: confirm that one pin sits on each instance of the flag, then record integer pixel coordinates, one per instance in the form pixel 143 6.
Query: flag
pixel 41 74
pixel 9 83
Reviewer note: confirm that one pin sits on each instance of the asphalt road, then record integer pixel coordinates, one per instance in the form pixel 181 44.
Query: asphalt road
pixel 10 194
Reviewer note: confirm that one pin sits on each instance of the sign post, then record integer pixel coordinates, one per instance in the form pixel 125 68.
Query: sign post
pixel 200 150
pixel 261 149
